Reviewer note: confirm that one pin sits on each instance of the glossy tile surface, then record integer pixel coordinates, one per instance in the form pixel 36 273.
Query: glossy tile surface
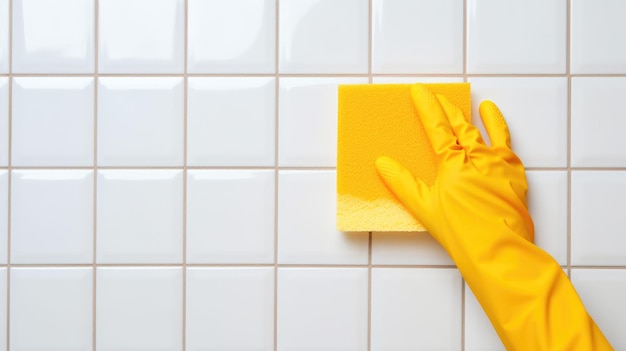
pixel 231 121
pixel 597 30
pixel 307 126
pixel 322 309
pixel 479 333
pixel 51 309
pixel 306 222
pixel 242 305
pixel 538 129
pixel 4 216
pixel 598 200
pixel 4 38
pixel 232 36
pixel 399 41
pixel 140 216
pixel 4 121
pixel 323 36
pixel 416 309
pixel 230 216
pixel 501 39
pixel 141 36
pixel 596 138
pixel 603 292
pixel 139 309
pixel 403 248
pixel 126 107
pixel 52 121
pixel 547 202
pixel 62 203
pixel 53 36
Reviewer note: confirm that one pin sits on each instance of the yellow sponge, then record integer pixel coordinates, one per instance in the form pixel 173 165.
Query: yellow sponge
pixel 376 120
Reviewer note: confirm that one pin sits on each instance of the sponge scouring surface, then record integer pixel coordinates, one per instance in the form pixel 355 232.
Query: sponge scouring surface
pixel 380 120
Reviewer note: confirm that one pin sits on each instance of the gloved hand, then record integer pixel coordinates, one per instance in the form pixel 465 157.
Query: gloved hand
pixel 477 211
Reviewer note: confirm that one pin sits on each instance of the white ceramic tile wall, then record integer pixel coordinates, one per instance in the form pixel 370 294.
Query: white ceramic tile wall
pixel 52 308
pixel 225 304
pixel 169 165
pixel 416 309
pixel 52 121
pixel 53 36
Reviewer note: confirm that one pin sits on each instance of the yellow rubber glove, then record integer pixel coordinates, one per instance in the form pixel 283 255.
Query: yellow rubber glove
pixel 477 211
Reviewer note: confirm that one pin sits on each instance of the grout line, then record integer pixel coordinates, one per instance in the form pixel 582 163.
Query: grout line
pixel 9 176
pixel 288 168
pixel 370 42
pixel 184 199
pixel 465 34
pixel 326 75
pixel 569 139
pixel 257 265
pixel 282 168
pixel 95 174
pixel 276 167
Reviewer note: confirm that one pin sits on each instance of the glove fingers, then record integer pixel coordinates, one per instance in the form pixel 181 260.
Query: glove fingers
pixel 495 124
pixel 434 119
pixel 468 136
pixel 412 193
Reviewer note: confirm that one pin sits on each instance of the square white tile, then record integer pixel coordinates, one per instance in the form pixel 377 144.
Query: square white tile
pixel 232 36
pixel 479 333
pixel 597 30
pixel 230 216
pixel 598 202
pixel 413 80
pixel 231 121
pixel 53 36
pixel 597 140
pixel 51 309
pixel 139 309
pixel 519 36
pixel 52 216
pixel 140 121
pixel 307 134
pixel 602 291
pixel 416 309
pixel 53 121
pixel 399 41
pixel 4 37
pixel 547 202
pixel 139 216
pixel 3 309
pixel 141 36
pixel 4 121
pixel 407 248
pixel 323 36
pixel 322 309
pixel 307 232
pixel 4 216
pixel 224 304
pixel 535 110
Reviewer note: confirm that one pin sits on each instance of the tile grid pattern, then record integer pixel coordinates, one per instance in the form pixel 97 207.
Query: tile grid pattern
pixel 276 168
